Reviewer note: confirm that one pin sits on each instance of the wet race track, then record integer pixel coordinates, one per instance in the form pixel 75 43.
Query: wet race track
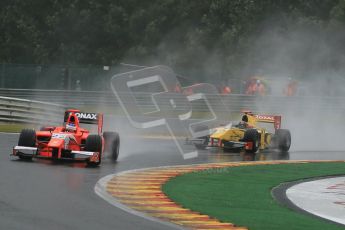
pixel 44 195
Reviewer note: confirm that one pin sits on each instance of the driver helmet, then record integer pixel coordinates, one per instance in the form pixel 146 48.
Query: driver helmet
pixel 242 124
pixel 71 127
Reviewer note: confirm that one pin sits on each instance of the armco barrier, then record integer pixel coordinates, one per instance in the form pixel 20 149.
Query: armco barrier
pixel 232 102
pixel 15 110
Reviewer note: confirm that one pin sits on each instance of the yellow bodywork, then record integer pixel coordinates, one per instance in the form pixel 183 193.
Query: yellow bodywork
pixel 235 134
pixel 232 134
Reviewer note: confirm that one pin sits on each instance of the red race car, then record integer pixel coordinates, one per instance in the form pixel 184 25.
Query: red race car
pixel 70 141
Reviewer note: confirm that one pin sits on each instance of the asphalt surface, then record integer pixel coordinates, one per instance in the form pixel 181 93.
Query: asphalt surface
pixel 44 195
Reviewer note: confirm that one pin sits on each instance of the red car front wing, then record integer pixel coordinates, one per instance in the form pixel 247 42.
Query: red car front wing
pixel 48 153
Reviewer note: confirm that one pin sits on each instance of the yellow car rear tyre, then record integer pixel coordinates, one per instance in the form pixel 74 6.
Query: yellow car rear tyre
pixel 252 135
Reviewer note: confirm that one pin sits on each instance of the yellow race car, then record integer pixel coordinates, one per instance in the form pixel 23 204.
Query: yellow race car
pixel 252 133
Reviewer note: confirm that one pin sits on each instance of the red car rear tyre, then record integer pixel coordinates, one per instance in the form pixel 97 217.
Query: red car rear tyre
pixel 94 144
pixel 112 144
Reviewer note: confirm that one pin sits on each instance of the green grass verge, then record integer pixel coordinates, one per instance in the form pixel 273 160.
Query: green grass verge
pixel 242 195
pixel 15 128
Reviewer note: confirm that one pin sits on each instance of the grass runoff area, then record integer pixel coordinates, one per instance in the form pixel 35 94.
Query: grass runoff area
pixel 242 195
pixel 14 128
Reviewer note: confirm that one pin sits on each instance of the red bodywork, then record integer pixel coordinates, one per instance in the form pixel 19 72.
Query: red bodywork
pixel 60 143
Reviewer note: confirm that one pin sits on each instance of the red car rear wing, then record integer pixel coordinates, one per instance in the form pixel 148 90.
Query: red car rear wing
pixel 269 119
pixel 86 118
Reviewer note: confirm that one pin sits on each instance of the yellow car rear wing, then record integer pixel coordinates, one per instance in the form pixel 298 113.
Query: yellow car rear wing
pixel 276 120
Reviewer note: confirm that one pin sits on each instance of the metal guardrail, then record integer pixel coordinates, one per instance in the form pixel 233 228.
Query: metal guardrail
pixel 42 106
pixel 143 100
pixel 62 97
pixel 15 110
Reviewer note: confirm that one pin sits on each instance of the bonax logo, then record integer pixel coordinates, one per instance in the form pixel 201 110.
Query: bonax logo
pixel 265 117
pixel 90 116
